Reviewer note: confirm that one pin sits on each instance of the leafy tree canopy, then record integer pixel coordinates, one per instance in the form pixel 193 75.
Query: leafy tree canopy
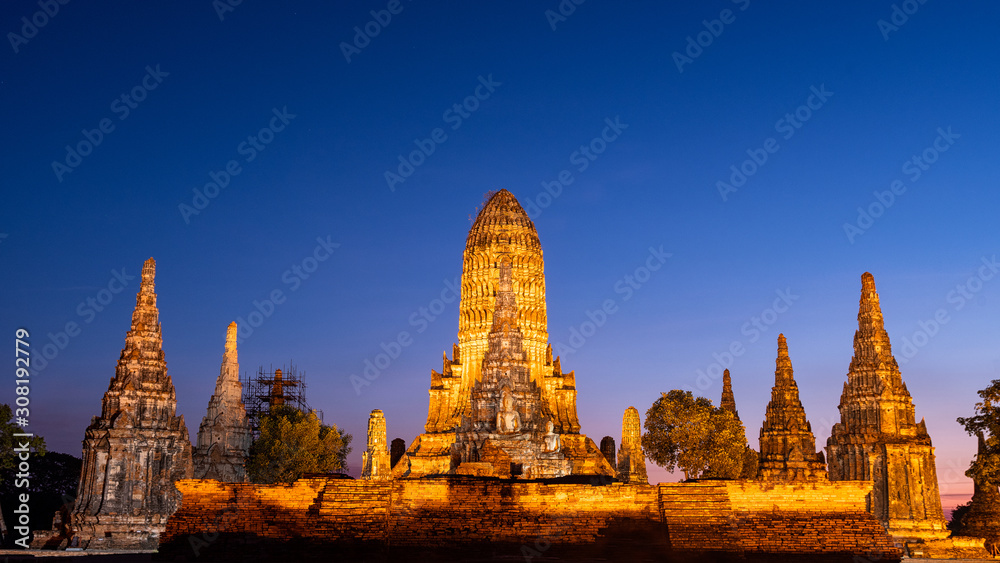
pixel 8 459
pixel 985 468
pixel 293 443
pixel 688 433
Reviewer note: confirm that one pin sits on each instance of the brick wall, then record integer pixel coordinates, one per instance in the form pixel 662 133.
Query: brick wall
pixel 527 517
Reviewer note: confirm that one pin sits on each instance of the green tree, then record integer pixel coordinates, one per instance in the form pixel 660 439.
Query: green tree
pixel 292 443
pixel 955 524
pixel 751 463
pixel 8 458
pixel 688 433
pixel 985 468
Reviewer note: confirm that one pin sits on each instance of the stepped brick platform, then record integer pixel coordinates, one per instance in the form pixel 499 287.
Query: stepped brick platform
pixel 581 516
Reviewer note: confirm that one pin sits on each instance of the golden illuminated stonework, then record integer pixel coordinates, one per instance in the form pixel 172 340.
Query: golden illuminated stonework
pixel 502 235
pixel 787 445
pixel 878 437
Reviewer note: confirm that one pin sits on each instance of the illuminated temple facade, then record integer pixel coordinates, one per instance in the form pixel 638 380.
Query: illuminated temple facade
pixel 501 404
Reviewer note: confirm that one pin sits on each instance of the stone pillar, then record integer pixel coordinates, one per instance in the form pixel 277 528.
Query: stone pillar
pixel 396 450
pixel 608 449
pixel 375 459
pixel 631 461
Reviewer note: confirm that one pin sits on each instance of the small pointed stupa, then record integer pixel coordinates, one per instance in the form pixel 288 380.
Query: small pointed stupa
pixel 224 435
pixel 787 444
pixel 375 459
pixel 631 461
pixel 728 401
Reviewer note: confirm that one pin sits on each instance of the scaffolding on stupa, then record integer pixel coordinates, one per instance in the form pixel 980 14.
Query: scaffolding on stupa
pixel 274 387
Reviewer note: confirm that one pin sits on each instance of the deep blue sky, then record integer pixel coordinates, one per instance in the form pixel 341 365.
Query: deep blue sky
pixel 656 184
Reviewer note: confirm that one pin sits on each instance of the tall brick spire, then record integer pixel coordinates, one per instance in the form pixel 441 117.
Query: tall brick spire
pixel 787 444
pixel 138 447
pixel 631 460
pixel 728 400
pixel 224 435
pixel 878 437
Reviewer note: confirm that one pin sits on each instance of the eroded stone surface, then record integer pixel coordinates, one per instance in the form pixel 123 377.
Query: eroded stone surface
pixel 787 444
pixel 466 409
pixel 375 459
pixel 135 450
pixel 224 435
pixel 728 400
pixel 507 411
pixel 631 462
pixel 983 518
pixel 608 449
pixel 878 437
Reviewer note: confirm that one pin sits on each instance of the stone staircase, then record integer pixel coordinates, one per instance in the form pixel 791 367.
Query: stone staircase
pixel 699 515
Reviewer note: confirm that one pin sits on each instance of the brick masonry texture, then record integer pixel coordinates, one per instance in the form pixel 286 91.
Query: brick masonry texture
pixel 739 517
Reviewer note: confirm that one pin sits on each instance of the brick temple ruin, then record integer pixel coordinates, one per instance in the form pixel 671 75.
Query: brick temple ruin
pixel 879 439
pixel 224 435
pixel 138 447
pixel 502 462
pixel 787 444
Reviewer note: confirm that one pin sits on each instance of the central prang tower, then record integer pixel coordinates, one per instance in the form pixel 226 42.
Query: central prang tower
pixel 503 238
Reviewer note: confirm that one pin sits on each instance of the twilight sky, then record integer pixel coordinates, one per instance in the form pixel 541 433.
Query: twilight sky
pixel 774 152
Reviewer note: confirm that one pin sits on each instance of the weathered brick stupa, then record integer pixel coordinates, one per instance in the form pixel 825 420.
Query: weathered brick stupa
pixel 512 348
pixel 138 447
pixel 631 461
pixel 878 437
pixel 787 444
pixel 728 400
pixel 983 518
pixel 375 458
pixel 224 435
